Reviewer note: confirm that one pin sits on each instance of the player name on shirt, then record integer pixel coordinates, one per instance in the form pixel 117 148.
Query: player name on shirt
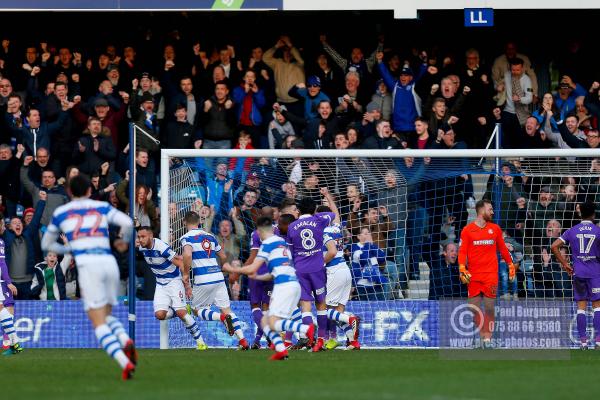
pixel 584 240
pixel 302 225
pixel 305 239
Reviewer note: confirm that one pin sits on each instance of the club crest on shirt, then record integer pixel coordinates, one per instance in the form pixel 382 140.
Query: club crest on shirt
pixel 491 231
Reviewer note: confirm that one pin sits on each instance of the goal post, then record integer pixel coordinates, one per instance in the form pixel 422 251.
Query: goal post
pixel 401 211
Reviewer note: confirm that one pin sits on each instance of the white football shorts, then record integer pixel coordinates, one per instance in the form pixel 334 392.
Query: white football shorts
pixel 98 277
pixel 284 299
pixel 171 295
pixel 339 285
pixel 212 294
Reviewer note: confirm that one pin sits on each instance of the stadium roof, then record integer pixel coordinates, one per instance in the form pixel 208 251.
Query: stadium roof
pixel 402 8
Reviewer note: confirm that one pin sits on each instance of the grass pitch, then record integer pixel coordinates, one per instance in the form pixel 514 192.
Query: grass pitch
pixel 227 374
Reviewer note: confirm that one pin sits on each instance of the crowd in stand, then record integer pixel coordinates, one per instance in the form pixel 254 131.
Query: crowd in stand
pixel 64 112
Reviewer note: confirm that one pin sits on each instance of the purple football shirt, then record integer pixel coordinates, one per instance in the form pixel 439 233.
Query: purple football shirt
pixel 305 239
pixel 584 240
pixel 255 243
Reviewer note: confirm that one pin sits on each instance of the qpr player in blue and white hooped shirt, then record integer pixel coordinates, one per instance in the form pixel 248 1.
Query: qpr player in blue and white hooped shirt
pixel 85 223
pixel 200 252
pixel 171 289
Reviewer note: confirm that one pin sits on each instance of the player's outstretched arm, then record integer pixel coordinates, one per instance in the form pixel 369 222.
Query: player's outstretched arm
pixel 247 269
pixel 331 201
pixel 556 246
pixel 263 277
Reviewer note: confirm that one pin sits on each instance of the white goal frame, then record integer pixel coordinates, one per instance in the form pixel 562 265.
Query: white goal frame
pixel 497 154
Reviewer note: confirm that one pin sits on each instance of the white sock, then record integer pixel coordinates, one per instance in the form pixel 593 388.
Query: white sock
pixel 209 315
pixel 335 315
pixel 348 331
pixel 117 329
pixel 7 322
pixel 236 325
pixel 192 328
pixel 170 313
pixel 275 338
pixel 283 325
pixel 312 318
pixel 111 345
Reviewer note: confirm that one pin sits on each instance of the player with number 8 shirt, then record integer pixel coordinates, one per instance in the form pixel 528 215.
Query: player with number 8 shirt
pixel 305 240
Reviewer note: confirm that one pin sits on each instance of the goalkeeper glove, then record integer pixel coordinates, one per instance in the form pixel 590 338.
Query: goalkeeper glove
pixel 512 270
pixel 465 276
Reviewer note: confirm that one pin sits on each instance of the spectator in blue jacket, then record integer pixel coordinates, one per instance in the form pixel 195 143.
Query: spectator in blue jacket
pixel 407 103
pixel 443 278
pixel 249 101
pixel 34 133
pixel 368 260
pixel 311 94
pixel 20 249
pixel 568 91
pixel 219 188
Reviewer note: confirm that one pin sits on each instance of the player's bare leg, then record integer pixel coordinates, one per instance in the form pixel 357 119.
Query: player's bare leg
pixel 109 341
pixel 232 321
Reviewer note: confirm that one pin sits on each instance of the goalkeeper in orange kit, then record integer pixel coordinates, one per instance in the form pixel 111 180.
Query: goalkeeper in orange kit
pixel 480 242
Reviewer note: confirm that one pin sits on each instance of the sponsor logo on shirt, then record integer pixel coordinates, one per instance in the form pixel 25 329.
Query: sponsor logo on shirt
pixel 483 242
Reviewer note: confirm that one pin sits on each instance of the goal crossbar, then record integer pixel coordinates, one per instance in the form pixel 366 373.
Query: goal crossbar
pixel 167 154
pixel 434 153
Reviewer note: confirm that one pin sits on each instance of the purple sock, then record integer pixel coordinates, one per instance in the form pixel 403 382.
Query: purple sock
pixel 322 322
pixel 288 336
pixel 257 315
pixel 581 325
pixel 331 328
pixel 307 320
pixel 597 324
